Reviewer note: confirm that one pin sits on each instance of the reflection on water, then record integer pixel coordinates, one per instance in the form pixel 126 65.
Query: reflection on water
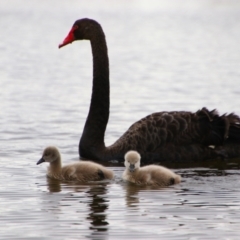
pixel 212 164
pixel 53 185
pixel 96 200
pixel 164 56
pixel 131 197
pixel 98 206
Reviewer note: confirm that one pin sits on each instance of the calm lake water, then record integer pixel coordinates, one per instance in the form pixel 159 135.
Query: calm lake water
pixel 164 55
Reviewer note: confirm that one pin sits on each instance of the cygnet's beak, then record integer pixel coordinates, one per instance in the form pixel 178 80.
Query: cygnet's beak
pixel 131 167
pixel 40 161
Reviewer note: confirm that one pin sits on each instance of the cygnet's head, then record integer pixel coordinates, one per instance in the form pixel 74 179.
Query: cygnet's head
pixel 50 154
pixel 132 160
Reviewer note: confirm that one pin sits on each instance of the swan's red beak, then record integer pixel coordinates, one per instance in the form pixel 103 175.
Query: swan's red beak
pixel 69 39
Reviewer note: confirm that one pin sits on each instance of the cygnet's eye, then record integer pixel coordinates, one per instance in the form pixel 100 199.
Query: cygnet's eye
pixel 47 155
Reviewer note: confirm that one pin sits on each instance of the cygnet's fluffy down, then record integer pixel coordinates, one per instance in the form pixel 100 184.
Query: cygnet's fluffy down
pixel 83 171
pixel 148 175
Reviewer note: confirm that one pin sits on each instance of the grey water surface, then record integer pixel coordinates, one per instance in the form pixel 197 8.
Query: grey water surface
pixel 164 55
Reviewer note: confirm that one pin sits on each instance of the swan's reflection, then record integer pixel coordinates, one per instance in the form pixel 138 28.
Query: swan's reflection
pixel 210 164
pixel 98 207
pixel 95 198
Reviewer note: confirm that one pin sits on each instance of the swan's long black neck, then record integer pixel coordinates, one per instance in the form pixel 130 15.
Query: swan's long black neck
pixel 92 140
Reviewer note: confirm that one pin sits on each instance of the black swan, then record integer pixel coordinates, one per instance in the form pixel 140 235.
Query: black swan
pixel 160 137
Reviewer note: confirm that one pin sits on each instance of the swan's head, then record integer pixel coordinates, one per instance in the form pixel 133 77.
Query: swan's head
pixel 50 154
pixel 132 160
pixel 82 29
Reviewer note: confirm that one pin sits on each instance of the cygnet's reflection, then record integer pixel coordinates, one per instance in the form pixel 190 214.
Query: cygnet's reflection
pixel 53 185
pixel 132 198
pixel 132 193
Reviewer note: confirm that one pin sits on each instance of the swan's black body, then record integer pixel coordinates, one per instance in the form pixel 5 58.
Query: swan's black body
pixel 159 137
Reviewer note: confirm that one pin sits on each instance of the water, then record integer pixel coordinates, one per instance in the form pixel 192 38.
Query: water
pixel 164 55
